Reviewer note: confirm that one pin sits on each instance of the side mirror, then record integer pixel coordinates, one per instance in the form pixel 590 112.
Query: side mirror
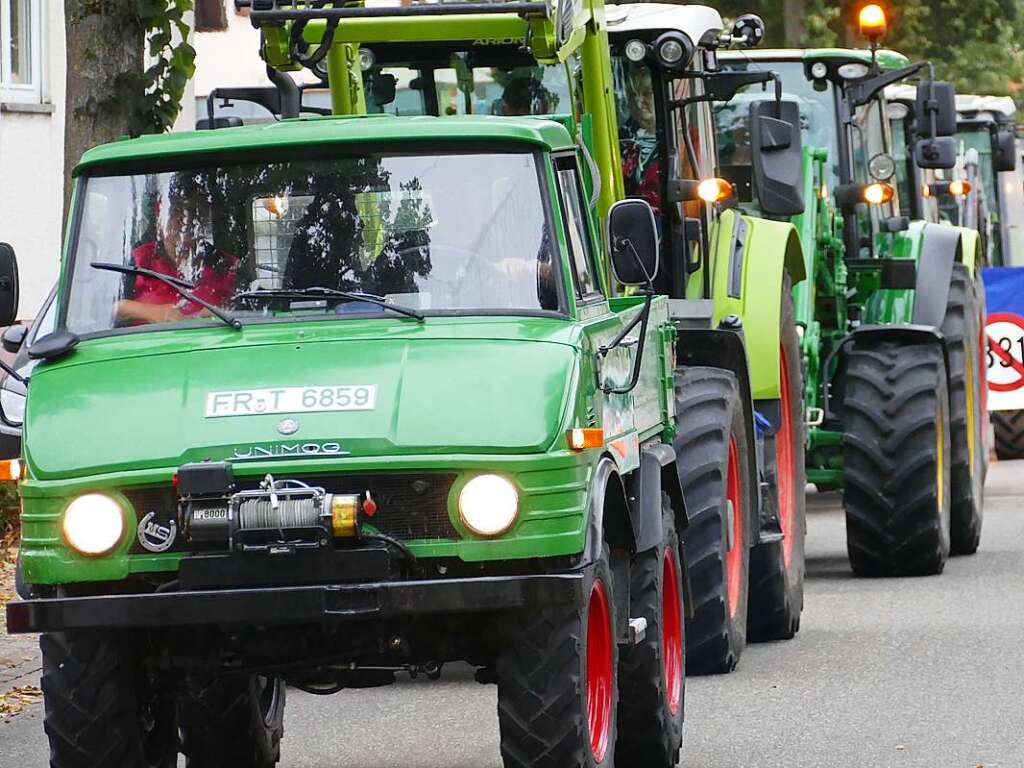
pixel 383 88
pixel 777 154
pixel 8 285
pixel 935 153
pixel 13 338
pixel 938 98
pixel 633 240
pixel 1004 152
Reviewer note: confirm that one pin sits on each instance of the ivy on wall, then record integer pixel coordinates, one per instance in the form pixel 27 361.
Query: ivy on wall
pixel 162 85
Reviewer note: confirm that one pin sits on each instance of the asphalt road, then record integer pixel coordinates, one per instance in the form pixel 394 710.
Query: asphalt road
pixel 922 673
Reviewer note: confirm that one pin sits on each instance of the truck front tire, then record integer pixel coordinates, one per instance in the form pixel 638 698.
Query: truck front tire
pixel 557 682
pixel 102 709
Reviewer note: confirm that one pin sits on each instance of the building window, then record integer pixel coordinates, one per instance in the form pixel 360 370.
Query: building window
pixel 20 50
pixel 210 16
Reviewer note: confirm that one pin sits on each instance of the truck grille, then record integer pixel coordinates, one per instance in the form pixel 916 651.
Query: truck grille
pixel 409 505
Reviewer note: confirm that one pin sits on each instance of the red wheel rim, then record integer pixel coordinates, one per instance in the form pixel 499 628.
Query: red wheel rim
pixel 734 555
pixel 599 671
pixel 672 632
pixel 784 462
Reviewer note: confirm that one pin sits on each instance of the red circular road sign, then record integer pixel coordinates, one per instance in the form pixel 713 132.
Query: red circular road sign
pixel 1004 333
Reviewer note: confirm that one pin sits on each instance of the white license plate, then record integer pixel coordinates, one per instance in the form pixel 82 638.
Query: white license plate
pixel 249 402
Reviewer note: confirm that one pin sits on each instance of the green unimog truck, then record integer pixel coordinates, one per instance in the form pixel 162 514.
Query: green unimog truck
pixel 337 398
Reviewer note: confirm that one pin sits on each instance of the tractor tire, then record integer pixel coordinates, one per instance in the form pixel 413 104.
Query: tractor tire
pixel 101 709
pixel 231 721
pixel 896 466
pixel 777 568
pixel 713 451
pixel 1009 431
pixel 557 682
pixel 652 674
pixel 962 330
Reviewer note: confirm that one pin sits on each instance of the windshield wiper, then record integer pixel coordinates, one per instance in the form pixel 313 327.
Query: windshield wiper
pixel 318 291
pixel 183 287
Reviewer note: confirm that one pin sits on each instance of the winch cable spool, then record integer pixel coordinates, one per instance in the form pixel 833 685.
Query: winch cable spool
pixel 289 513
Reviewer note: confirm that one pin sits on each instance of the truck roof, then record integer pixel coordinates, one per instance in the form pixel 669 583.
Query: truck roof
pixel 545 133
pixel 886 59
pixel 695 21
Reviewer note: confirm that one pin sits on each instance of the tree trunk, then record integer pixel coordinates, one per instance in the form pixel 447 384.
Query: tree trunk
pixel 794 28
pixel 105 60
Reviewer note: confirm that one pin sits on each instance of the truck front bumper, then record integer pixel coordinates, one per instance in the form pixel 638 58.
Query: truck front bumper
pixel 294 605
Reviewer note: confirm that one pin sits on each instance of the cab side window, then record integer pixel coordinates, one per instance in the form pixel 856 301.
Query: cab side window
pixel 574 214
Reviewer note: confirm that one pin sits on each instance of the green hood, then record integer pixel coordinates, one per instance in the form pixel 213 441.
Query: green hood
pixel 138 401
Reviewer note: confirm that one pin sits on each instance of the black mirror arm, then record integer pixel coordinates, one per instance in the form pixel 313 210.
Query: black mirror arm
pixel 642 317
pixel 863 92
pixel 13 373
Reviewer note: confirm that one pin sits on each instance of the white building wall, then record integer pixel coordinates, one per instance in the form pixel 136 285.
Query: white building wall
pixel 32 168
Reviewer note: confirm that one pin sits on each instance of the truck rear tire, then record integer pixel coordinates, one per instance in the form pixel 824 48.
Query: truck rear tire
pixel 777 568
pixel 713 451
pixel 101 709
pixel 557 682
pixel 232 720
pixel 896 465
pixel 652 674
pixel 1009 431
pixel 962 331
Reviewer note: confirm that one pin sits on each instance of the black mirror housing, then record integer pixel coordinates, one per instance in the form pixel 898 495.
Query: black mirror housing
pixel 935 153
pixel 777 154
pixel 8 285
pixel 13 338
pixel 1004 151
pixel 750 29
pixel 943 99
pixel 633 241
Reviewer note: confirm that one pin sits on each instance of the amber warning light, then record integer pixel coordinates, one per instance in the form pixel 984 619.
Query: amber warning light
pixel 580 439
pixel 872 22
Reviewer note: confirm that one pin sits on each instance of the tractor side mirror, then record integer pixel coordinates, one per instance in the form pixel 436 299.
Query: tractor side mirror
pixel 777 153
pixel 938 98
pixel 8 285
pixel 633 240
pixel 748 30
pixel 383 88
pixel 935 153
pixel 1004 152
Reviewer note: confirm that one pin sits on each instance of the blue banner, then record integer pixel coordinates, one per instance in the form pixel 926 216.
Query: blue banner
pixel 1004 289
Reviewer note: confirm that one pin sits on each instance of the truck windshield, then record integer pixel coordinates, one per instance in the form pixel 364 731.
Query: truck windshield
pixel 271 241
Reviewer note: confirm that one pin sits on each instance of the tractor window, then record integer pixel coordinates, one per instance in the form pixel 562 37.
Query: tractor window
pixel 574 214
pixel 869 136
pixel 638 143
pixel 452 86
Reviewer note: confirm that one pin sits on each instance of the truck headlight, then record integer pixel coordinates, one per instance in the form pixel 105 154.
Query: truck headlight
pixel 93 524
pixel 488 505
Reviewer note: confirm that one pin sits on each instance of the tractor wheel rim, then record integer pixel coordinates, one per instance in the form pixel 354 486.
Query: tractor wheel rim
pixel 672 632
pixel 599 671
pixel 734 556
pixel 784 462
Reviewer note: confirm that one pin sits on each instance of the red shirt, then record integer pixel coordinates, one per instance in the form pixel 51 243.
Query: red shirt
pixel 214 286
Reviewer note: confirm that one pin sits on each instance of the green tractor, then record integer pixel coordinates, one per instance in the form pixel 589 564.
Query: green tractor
pixel 719 269
pixel 890 315
pixel 343 397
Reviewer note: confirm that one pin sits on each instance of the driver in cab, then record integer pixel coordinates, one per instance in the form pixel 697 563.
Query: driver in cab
pixel 176 250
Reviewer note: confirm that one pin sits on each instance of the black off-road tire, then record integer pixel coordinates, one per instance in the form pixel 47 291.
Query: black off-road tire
pixel 101 709
pixel 650 733
pixel 708 414
pixel 896 466
pixel 231 721
pixel 542 694
pixel 1009 433
pixel 961 328
pixel 777 586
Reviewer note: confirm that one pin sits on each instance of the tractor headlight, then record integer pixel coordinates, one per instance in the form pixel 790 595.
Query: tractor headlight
pixel 93 524
pixel 673 50
pixel 488 505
